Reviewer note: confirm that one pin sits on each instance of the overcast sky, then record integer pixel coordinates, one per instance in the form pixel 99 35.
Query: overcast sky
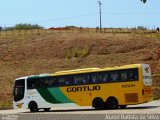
pixel 85 13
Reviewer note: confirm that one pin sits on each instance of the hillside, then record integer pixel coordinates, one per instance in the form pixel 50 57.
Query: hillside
pixel 34 54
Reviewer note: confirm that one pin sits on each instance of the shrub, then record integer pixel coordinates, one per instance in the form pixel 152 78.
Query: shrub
pixel 141 28
pixel 25 26
pixel 77 53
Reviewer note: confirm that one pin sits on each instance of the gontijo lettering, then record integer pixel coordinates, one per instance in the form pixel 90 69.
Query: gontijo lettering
pixel 83 88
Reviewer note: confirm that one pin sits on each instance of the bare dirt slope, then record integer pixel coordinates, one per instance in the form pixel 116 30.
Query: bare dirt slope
pixel 36 54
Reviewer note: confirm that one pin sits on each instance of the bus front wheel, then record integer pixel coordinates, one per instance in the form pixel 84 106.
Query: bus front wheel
pixel 33 106
pixel 98 104
pixel 112 103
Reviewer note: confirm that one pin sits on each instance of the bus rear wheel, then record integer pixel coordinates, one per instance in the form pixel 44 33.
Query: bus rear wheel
pixel 112 103
pixel 98 104
pixel 47 109
pixel 33 106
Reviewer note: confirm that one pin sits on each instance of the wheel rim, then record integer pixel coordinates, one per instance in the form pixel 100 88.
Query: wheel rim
pixel 99 105
pixel 112 103
pixel 33 107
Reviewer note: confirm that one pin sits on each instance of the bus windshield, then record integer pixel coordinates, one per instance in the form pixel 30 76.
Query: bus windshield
pixel 19 88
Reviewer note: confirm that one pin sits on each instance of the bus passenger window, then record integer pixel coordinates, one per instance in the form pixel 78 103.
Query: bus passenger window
pixel 114 77
pixel 133 74
pixel 77 80
pixel 123 75
pixel 45 83
pixel 51 83
pixel 32 83
pixel 69 80
pixel 95 78
pixel 61 81
pixel 104 77
pixel 85 79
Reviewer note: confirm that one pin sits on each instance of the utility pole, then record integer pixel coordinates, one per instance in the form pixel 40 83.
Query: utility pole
pixel 100 17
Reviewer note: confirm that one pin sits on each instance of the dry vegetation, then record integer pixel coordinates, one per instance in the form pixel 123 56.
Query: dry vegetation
pixel 34 54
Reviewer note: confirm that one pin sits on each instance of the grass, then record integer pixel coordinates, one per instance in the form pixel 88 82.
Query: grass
pixel 156 35
pixel 156 92
pixel 6 104
pixel 77 53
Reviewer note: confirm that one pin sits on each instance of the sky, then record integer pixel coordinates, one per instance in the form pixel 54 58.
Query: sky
pixel 81 13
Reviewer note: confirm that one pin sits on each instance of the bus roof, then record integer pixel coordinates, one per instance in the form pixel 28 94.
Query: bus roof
pixel 34 76
pixel 78 70
pixel 22 77
pixel 87 70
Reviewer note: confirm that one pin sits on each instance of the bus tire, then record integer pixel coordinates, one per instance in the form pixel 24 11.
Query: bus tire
pixel 112 103
pixel 98 104
pixel 46 109
pixel 123 106
pixel 33 106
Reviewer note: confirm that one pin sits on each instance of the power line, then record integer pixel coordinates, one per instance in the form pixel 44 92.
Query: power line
pixel 59 19
pixel 129 13
pixel 68 18
pixel 86 15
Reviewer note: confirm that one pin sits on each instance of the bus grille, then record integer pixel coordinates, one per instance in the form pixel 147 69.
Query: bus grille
pixel 131 97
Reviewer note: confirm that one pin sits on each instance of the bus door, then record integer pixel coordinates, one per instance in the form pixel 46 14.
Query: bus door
pixel 19 89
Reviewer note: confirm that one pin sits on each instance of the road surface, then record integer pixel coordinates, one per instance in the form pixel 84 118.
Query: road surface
pixel 149 110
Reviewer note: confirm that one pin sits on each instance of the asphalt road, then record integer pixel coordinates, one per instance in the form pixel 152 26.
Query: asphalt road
pixel 142 111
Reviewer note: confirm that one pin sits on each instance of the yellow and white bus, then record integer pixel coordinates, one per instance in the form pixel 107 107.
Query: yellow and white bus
pixel 100 88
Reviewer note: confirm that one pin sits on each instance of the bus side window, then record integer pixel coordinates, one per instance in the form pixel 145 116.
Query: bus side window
pixel 51 83
pixel 133 74
pixel 61 81
pixel 94 78
pixel 123 75
pixel 77 79
pixel 45 82
pixel 114 76
pixel 32 83
pixel 69 80
pixel 85 78
pixel 104 77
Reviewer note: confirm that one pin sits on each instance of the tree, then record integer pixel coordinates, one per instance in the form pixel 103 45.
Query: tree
pixel 1 28
pixel 144 1
pixel 26 26
pixel 71 26
pixel 141 28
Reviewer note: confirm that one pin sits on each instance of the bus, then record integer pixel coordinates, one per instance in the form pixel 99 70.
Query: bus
pixel 101 88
